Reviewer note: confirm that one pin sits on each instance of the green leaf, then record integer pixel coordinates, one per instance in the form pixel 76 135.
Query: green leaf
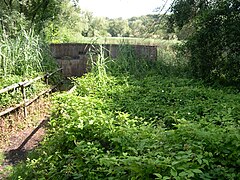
pixel 166 178
pixel 183 174
pixel 198 171
pixel 158 175
pixel 173 172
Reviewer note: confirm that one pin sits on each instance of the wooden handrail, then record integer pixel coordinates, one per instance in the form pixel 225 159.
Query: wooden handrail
pixel 32 81
pixel 48 75
pixel 27 82
pixel 13 86
pixel 11 109
pixel 24 84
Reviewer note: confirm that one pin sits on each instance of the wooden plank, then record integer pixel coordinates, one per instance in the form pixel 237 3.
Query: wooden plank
pixel 39 95
pixel 48 75
pixel 32 81
pixel 11 109
pixel 13 86
pixel 26 102
pixel 17 85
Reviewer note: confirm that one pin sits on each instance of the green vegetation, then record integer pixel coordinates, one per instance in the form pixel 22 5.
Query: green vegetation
pixel 212 47
pixel 131 118
pixel 23 55
pixel 14 97
pixel 126 40
pixel 31 14
pixel 126 124
pixel 74 25
pixel 22 58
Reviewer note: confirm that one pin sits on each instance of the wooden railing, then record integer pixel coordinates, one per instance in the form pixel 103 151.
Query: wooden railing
pixel 26 102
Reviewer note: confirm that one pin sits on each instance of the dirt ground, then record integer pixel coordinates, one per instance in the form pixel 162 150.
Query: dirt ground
pixel 19 136
pixel 18 139
pixel 20 144
pixel 23 142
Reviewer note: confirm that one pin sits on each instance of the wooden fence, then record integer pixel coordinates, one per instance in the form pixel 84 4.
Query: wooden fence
pixel 72 57
pixel 26 102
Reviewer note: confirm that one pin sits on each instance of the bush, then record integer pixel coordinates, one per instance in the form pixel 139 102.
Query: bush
pixel 213 49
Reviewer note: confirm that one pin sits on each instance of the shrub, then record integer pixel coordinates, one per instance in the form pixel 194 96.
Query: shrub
pixel 213 49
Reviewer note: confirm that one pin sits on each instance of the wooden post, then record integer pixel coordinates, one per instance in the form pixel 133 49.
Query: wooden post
pixel 24 99
pixel 46 78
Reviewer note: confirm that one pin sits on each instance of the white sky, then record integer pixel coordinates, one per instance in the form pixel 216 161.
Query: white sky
pixel 121 8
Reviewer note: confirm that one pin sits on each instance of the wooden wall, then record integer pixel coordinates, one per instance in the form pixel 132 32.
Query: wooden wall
pixel 72 57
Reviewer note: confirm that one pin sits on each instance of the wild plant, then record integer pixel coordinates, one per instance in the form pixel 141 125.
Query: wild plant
pixel 23 55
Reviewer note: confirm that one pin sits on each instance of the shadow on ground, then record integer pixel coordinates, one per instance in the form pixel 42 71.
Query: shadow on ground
pixel 22 143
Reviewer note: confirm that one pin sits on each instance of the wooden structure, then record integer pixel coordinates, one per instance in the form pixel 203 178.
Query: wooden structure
pixel 72 57
pixel 26 102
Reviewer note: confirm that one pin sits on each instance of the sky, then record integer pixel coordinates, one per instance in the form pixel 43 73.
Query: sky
pixel 121 8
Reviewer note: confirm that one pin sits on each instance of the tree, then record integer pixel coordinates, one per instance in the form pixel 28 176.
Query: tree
pixel 184 11
pixel 94 26
pixel 213 48
pixel 137 27
pixel 68 25
pixel 36 12
pixel 118 27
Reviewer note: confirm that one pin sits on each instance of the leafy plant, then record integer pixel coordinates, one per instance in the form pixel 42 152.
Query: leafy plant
pixel 129 128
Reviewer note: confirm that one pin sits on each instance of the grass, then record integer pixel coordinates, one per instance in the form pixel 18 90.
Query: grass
pixel 122 40
pixel 24 55
pixel 22 58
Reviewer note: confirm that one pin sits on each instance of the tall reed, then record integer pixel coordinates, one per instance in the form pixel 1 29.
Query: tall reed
pixel 23 55
pixel 99 61
pixel 127 61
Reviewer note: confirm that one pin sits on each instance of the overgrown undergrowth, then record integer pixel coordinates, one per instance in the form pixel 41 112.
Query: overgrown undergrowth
pixel 23 56
pixel 121 126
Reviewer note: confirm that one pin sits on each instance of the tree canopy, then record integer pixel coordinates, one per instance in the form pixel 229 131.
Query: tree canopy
pixel 213 45
pixel 36 12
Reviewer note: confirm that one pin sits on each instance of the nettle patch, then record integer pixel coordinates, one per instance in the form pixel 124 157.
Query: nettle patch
pixel 126 128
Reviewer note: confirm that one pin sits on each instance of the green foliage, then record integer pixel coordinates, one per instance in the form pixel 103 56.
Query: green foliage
pixel 67 26
pixel 169 61
pixel 213 47
pixel 123 127
pixel 72 24
pixel 217 41
pixel 129 63
pixel 22 50
pixel 11 98
pixel 118 28
pixel 12 24
pixel 36 12
pixel 24 55
pixel 184 11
